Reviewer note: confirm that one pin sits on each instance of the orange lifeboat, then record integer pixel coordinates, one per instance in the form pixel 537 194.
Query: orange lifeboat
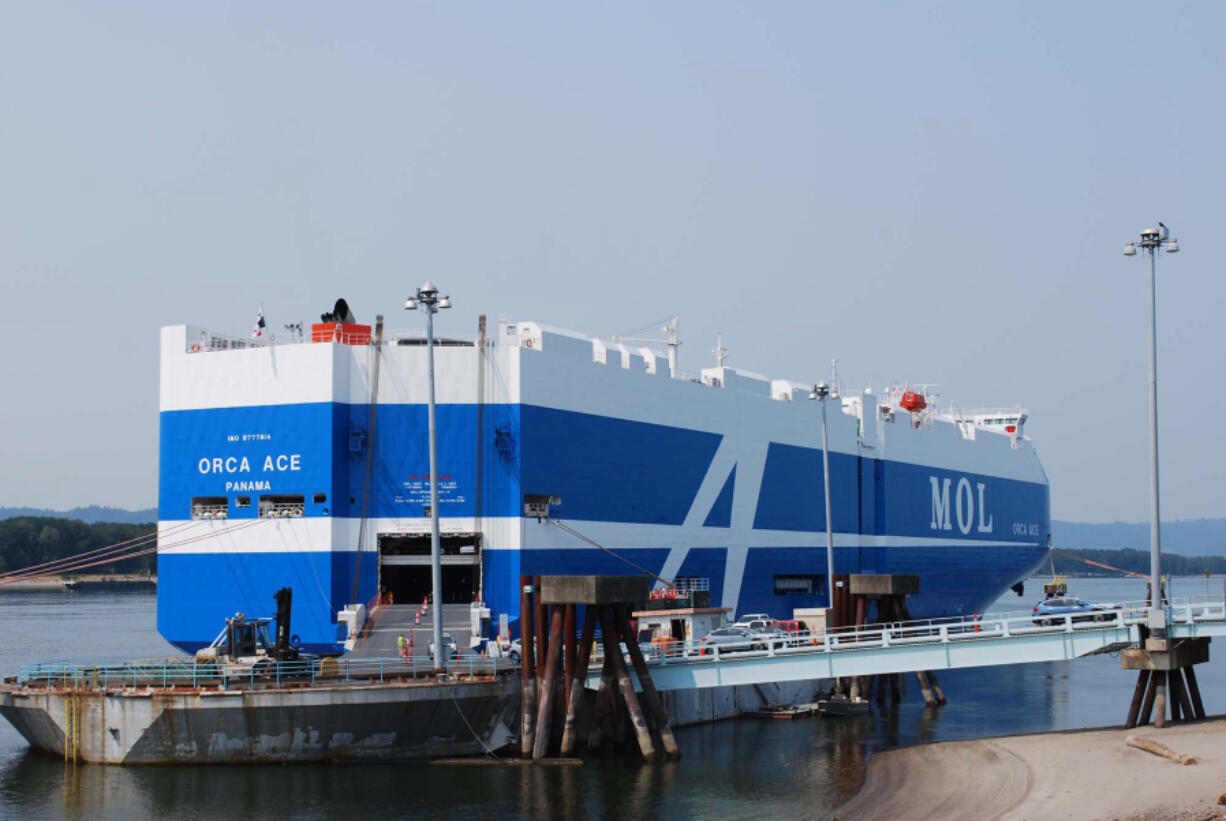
pixel 913 401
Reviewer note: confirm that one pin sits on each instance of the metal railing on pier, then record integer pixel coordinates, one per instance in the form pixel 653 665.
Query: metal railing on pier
pixel 187 674
pixel 930 644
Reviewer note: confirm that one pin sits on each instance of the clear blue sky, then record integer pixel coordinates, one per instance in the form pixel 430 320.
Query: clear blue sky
pixel 926 191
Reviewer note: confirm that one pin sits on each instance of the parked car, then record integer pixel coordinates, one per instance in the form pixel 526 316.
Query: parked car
pixel 737 639
pixel 449 646
pixel 755 623
pixel 792 631
pixel 497 648
pixel 1053 611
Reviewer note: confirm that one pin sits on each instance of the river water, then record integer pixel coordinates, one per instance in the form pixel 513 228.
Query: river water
pixel 733 769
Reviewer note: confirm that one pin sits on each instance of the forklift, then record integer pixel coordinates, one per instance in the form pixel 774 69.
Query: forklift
pixel 247 646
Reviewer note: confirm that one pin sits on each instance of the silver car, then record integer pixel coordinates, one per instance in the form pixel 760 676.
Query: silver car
pixel 734 639
pixel 449 645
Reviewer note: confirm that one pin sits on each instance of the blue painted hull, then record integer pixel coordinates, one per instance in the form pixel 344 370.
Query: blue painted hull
pixel 684 479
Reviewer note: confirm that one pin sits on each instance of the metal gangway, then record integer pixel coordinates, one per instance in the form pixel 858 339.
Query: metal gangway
pixel 931 644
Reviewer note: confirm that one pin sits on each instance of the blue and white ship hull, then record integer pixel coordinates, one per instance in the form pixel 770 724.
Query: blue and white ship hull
pixel 265 453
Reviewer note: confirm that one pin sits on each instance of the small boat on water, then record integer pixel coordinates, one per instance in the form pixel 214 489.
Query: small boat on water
pixel 841 705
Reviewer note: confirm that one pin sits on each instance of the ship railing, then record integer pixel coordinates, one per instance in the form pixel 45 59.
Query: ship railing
pixel 214 342
pixel 185 674
pixel 1117 617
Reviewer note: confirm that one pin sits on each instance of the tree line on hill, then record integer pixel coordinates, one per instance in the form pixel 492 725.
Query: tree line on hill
pixel 26 541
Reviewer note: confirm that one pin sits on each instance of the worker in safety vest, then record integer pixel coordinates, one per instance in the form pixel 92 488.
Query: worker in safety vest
pixel 403 644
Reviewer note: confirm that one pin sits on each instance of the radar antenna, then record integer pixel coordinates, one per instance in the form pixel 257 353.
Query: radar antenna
pixel 721 353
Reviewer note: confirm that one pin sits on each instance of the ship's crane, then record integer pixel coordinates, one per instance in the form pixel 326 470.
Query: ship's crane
pixel 672 340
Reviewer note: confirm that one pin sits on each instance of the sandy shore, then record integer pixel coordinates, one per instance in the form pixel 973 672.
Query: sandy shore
pixel 1081 775
pixel 26 585
pixel 57 582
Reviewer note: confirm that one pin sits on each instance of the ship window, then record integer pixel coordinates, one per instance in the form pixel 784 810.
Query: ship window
pixel 242 501
pixel 798 584
pixel 274 507
pixel 209 507
pixel 320 498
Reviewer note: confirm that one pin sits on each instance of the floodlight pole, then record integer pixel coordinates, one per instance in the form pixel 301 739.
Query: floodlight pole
pixel 820 392
pixel 1152 239
pixel 427 297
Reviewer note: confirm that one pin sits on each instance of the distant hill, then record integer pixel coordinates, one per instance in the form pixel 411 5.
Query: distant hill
pixel 1189 537
pixel 90 515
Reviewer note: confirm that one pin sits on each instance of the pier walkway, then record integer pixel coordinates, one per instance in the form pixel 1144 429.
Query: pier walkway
pixel 939 644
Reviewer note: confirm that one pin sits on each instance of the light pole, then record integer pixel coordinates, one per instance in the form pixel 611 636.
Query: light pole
pixel 1153 239
pixel 820 392
pixel 427 297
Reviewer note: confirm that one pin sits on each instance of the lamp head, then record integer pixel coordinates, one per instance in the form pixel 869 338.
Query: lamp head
pixel 820 391
pixel 410 304
pixel 1130 250
pixel 1172 247
pixel 444 302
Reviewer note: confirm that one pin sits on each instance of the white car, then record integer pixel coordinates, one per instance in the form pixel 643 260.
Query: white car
pixel 756 623
pixel 512 650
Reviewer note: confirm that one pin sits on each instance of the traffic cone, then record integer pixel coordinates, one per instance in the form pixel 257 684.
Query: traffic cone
pixel 417 618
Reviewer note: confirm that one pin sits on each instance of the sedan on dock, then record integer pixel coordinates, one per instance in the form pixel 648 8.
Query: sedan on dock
pixel 1053 611
pixel 730 640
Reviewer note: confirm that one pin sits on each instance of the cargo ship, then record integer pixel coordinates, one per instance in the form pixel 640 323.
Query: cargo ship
pixel 304 462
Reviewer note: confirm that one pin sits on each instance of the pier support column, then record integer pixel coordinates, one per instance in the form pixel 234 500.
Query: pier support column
pixel 542 631
pixel 1138 697
pixel 527 735
pixel 569 650
pixel 612 648
pixel 544 715
pixel 577 677
pixel 654 705
pixel 1160 699
pixel 1169 664
pixel 1198 707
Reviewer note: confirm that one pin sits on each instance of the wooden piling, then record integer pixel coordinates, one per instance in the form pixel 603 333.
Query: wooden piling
pixel 1189 712
pixel 925 689
pixel 1160 699
pixel 936 687
pixel 1179 695
pixel 601 709
pixel 1174 686
pixel 527 734
pixel 1198 706
pixel 544 715
pixel 1147 706
pixel 650 696
pixel 613 649
pixel 569 652
pixel 577 677
pixel 542 630
pixel 1138 696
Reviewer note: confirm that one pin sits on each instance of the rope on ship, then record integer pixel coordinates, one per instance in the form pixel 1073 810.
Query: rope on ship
pixel 1075 557
pixel 120 551
pixel 598 545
